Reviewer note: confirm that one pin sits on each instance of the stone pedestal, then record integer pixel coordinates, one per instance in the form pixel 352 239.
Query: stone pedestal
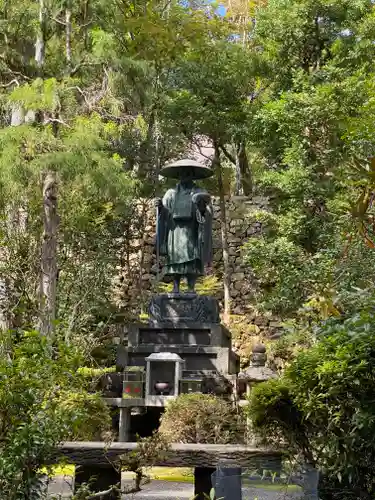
pixel 228 483
pixel 183 324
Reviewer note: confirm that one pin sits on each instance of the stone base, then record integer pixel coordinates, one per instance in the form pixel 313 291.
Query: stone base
pixel 183 308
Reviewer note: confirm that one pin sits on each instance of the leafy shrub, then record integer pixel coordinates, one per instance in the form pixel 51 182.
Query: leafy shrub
pixel 202 418
pixel 149 451
pixel 43 401
pixel 324 405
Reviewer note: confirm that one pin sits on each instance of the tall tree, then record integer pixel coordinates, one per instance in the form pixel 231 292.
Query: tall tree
pixel 212 98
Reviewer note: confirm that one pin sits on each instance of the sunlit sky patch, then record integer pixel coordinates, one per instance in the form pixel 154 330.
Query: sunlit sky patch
pixel 221 10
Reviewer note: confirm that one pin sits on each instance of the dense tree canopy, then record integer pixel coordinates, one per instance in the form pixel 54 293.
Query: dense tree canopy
pixel 315 160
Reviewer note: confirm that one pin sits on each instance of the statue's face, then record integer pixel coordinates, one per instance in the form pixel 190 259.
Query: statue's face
pixel 187 174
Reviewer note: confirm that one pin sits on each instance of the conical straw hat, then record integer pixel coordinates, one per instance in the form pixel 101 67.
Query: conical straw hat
pixel 174 170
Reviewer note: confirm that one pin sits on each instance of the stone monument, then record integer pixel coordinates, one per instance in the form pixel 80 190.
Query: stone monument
pixel 184 347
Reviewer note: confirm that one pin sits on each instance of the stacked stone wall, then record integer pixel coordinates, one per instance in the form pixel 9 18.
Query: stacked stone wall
pixel 138 272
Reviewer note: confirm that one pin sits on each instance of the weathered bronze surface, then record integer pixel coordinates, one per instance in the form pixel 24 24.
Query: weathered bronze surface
pixel 184 224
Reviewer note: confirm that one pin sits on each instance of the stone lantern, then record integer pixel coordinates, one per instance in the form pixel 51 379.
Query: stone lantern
pixel 257 372
pixel 163 374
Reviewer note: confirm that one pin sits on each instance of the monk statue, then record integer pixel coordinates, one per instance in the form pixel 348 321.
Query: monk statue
pixel 184 226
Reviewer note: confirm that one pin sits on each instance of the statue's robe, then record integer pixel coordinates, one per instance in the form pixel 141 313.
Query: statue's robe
pixel 184 234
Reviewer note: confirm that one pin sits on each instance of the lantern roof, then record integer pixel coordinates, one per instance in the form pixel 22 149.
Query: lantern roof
pixel 165 356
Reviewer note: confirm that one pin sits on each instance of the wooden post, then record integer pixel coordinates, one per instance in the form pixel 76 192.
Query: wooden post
pixel 248 419
pixel 202 482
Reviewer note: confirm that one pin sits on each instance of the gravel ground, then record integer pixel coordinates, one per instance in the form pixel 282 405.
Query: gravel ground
pixel 167 490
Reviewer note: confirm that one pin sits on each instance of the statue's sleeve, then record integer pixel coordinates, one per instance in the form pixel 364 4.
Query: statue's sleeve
pixel 205 228
pixel 163 223
pixel 207 237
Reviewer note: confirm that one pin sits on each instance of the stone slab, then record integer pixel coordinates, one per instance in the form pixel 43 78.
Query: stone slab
pixel 166 334
pixel 177 308
pixel 101 454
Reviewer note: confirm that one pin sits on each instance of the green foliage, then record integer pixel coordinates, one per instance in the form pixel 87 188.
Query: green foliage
pixel 208 285
pixel 314 155
pixel 42 402
pixel 213 90
pixel 323 405
pixel 149 451
pixel 201 418
pixel 92 372
pixel 134 86
pixel 93 204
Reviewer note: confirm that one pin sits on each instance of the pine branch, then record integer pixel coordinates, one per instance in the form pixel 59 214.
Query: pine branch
pixel 64 23
pixel 11 71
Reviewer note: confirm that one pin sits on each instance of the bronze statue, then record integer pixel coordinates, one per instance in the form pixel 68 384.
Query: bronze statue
pixel 184 224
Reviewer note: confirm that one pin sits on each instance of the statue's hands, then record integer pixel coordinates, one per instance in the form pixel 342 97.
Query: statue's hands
pixel 202 205
pixel 201 200
pixel 158 203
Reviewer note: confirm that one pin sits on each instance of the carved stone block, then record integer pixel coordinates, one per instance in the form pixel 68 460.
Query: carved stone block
pixel 183 308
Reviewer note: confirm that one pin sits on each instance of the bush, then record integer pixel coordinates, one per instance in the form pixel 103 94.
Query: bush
pixel 324 406
pixel 202 418
pixel 43 401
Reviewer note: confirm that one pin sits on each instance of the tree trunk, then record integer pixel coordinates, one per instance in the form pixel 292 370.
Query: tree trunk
pixel 39 44
pixel 146 152
pixel 4 304
pixel 13 220
pixel 243 178
pixel 68 36
pixel 238 182
pixel 48 277
pixel 85 21
pixel 224 233
pixel 243 169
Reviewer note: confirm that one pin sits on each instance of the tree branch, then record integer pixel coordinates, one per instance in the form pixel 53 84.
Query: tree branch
pixel 104 494
pixel 55 120
pixel 199 146
pixel 230 157
pixel 58 21
pixel 5 85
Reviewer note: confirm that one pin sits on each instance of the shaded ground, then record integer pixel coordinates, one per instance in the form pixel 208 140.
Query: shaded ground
pixel 167 490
